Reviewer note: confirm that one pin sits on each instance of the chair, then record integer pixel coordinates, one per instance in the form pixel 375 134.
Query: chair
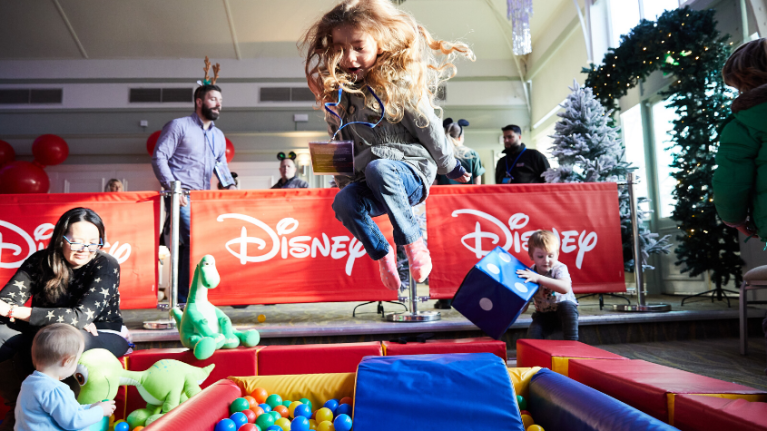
pixel 752 280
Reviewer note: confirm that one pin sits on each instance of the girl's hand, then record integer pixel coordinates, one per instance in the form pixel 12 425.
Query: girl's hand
pixel 465 178
pixel 528 275
pixel 4 308
pixel 92 329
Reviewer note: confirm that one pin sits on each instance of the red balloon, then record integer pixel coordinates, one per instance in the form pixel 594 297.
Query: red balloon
pixel 50 150
pixel 23 177
pixel 229 150
pixel 7 154
pixel 151 141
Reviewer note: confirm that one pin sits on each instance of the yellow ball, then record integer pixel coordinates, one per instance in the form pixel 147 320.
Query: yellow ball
pixel 261 318
pixel 527 420
pixel 292 407
pixel 535 428
pixel 312 424
pixel 324 414
pixel 326 426
pixel 283 423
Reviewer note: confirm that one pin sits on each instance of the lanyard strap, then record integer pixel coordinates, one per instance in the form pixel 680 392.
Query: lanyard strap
pixel 508 170
pixel 342 125
pixel 210 143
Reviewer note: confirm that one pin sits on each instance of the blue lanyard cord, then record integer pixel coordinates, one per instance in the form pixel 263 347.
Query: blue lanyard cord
pixel 508 170
pixel 210 143
pixel 342 125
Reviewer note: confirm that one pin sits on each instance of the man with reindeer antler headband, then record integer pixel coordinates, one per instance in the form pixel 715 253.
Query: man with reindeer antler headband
pixel 190 150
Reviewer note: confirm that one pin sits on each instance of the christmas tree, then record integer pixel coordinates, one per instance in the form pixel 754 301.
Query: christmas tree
pixel 588 150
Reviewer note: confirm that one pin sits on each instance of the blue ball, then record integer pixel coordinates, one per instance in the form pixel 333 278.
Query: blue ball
pixel 342 423
pixel 122 426
pixel 239 419
pixel 302 410
pixel 332 405
pixel 274 428
pixel 265 407
pixel 225 425
pixel 300 423
pixel 344 409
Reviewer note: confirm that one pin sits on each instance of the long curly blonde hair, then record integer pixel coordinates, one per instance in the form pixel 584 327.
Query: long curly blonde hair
pixel 407 70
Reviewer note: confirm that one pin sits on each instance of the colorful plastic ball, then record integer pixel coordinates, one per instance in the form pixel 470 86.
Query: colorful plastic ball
pixel 138 428
pixel 265 407
pixel 122 426
pixel 312 424
pixel 226 425
pixel 527 420
pixel 229 150
pixel 326 426
pixel 521 402
pixel 239 419
pixel 307 402
pixel 251 415
pixel 535 428
pixel 238 405
pixel 292 408
pixel 287 403
pixel 283 423
pixel 282 410
pixel 299 424
pixel 249 427
pixel 524 412
pixel 302 410
pixel 260 394
pixel 342 423
pixel 7 153
pixel 324 414
pixel 151 142
pixel 251 401
pixel 274 428
pixel 264 421
pixel 276 415
pixel 344 409
pixel 274 400
pixel 345 400
pixel 332 405
pixel 261 318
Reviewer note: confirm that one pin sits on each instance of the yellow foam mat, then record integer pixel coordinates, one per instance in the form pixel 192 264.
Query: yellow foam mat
pixel 561 364
pixel 520 379
pixel 670 398
pixel 318 388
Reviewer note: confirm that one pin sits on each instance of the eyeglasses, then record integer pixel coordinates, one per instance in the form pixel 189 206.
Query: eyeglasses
pixel 78 246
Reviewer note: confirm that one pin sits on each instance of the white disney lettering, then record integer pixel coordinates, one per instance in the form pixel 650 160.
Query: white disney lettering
pixel 299 247
pixel 586 241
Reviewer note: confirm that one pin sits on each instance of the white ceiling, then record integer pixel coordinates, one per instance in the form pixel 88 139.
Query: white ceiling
pixel 225 29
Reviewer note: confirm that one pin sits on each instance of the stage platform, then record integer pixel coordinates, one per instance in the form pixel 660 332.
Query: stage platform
pixel 317 323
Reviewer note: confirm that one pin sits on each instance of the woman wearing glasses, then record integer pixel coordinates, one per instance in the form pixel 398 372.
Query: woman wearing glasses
pixel 71 281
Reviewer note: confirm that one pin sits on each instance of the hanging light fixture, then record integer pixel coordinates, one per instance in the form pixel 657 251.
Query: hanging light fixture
pixel 519 13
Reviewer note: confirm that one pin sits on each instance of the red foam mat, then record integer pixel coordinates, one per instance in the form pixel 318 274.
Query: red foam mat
pixel 463 345
pixel 201 412
pixel 538 353
pixel 314 358
pixel 699 412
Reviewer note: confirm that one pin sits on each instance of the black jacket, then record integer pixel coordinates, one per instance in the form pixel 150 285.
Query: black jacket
pixel 528 169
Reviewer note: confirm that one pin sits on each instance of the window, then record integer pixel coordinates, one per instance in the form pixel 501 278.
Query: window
pixel 626 14
pixel 633 140
pixel 652 9
pixel 662 117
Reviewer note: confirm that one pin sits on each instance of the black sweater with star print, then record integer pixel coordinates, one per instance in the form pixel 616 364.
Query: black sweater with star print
pixel 93 294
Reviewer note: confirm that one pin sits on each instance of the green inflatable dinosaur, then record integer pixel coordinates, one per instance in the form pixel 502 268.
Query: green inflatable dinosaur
pixel 163 386
pixel 202 326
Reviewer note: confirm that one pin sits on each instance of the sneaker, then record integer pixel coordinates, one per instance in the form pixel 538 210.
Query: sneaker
pixel 387 266
pixel 419 259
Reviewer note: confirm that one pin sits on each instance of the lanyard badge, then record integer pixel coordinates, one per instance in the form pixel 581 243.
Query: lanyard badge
pixel 342 125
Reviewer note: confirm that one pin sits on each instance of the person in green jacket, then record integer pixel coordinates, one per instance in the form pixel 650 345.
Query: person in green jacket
pixel 740 181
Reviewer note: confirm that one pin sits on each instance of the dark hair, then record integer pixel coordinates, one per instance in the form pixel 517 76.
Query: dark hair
pixel 512 128
pixel 203 90
pixel 55 269
pixel 746 68
pixel 453 128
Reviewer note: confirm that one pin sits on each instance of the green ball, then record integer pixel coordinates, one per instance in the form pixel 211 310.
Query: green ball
pixel 307 402
pixel 238 405
pixel 274 400
pixel 265 421
pixel 522 403
pixel 275 415
pixel 286 403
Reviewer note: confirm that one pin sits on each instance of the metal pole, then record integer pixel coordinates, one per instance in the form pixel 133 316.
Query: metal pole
pixel 413 298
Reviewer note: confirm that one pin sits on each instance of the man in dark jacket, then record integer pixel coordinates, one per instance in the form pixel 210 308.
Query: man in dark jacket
pixel 520 165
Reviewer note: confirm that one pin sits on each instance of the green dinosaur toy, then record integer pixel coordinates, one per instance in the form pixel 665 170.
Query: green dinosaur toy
pixel 202 326
pixel 163 386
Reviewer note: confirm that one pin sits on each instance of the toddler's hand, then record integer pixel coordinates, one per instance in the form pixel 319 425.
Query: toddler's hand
pixel 465 178
pixel 108 407
pixel 528 275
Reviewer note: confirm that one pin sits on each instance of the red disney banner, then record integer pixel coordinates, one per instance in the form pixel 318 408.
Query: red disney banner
pixel 465 223
pixel 282 246
pixel 27 221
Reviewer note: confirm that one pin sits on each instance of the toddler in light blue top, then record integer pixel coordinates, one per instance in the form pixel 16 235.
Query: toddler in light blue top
pixel 45 403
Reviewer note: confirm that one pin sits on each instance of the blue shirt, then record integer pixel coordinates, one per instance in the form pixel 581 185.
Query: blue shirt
pixel 46 404
pixel 188 153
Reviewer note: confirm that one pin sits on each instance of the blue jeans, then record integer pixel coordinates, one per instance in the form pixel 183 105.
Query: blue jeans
pixel 390 187
pixel 183 248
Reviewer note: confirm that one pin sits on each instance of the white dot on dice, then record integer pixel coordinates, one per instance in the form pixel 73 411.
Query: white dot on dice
pixel 520 287
pixel 486 304
pixel 494 269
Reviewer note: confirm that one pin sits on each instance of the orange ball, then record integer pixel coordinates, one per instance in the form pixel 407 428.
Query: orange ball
pixel 138 428
pixel 282 410
pixel 251 401
pixel 345 400
pixel 257 410
pixel 260 394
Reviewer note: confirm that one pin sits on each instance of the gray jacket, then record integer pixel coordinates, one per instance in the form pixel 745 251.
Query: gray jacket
pixel 424 148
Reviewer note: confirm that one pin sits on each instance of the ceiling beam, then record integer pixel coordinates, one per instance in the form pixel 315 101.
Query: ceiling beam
pixel 507 36
pixel 70 28
pixel 231 29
